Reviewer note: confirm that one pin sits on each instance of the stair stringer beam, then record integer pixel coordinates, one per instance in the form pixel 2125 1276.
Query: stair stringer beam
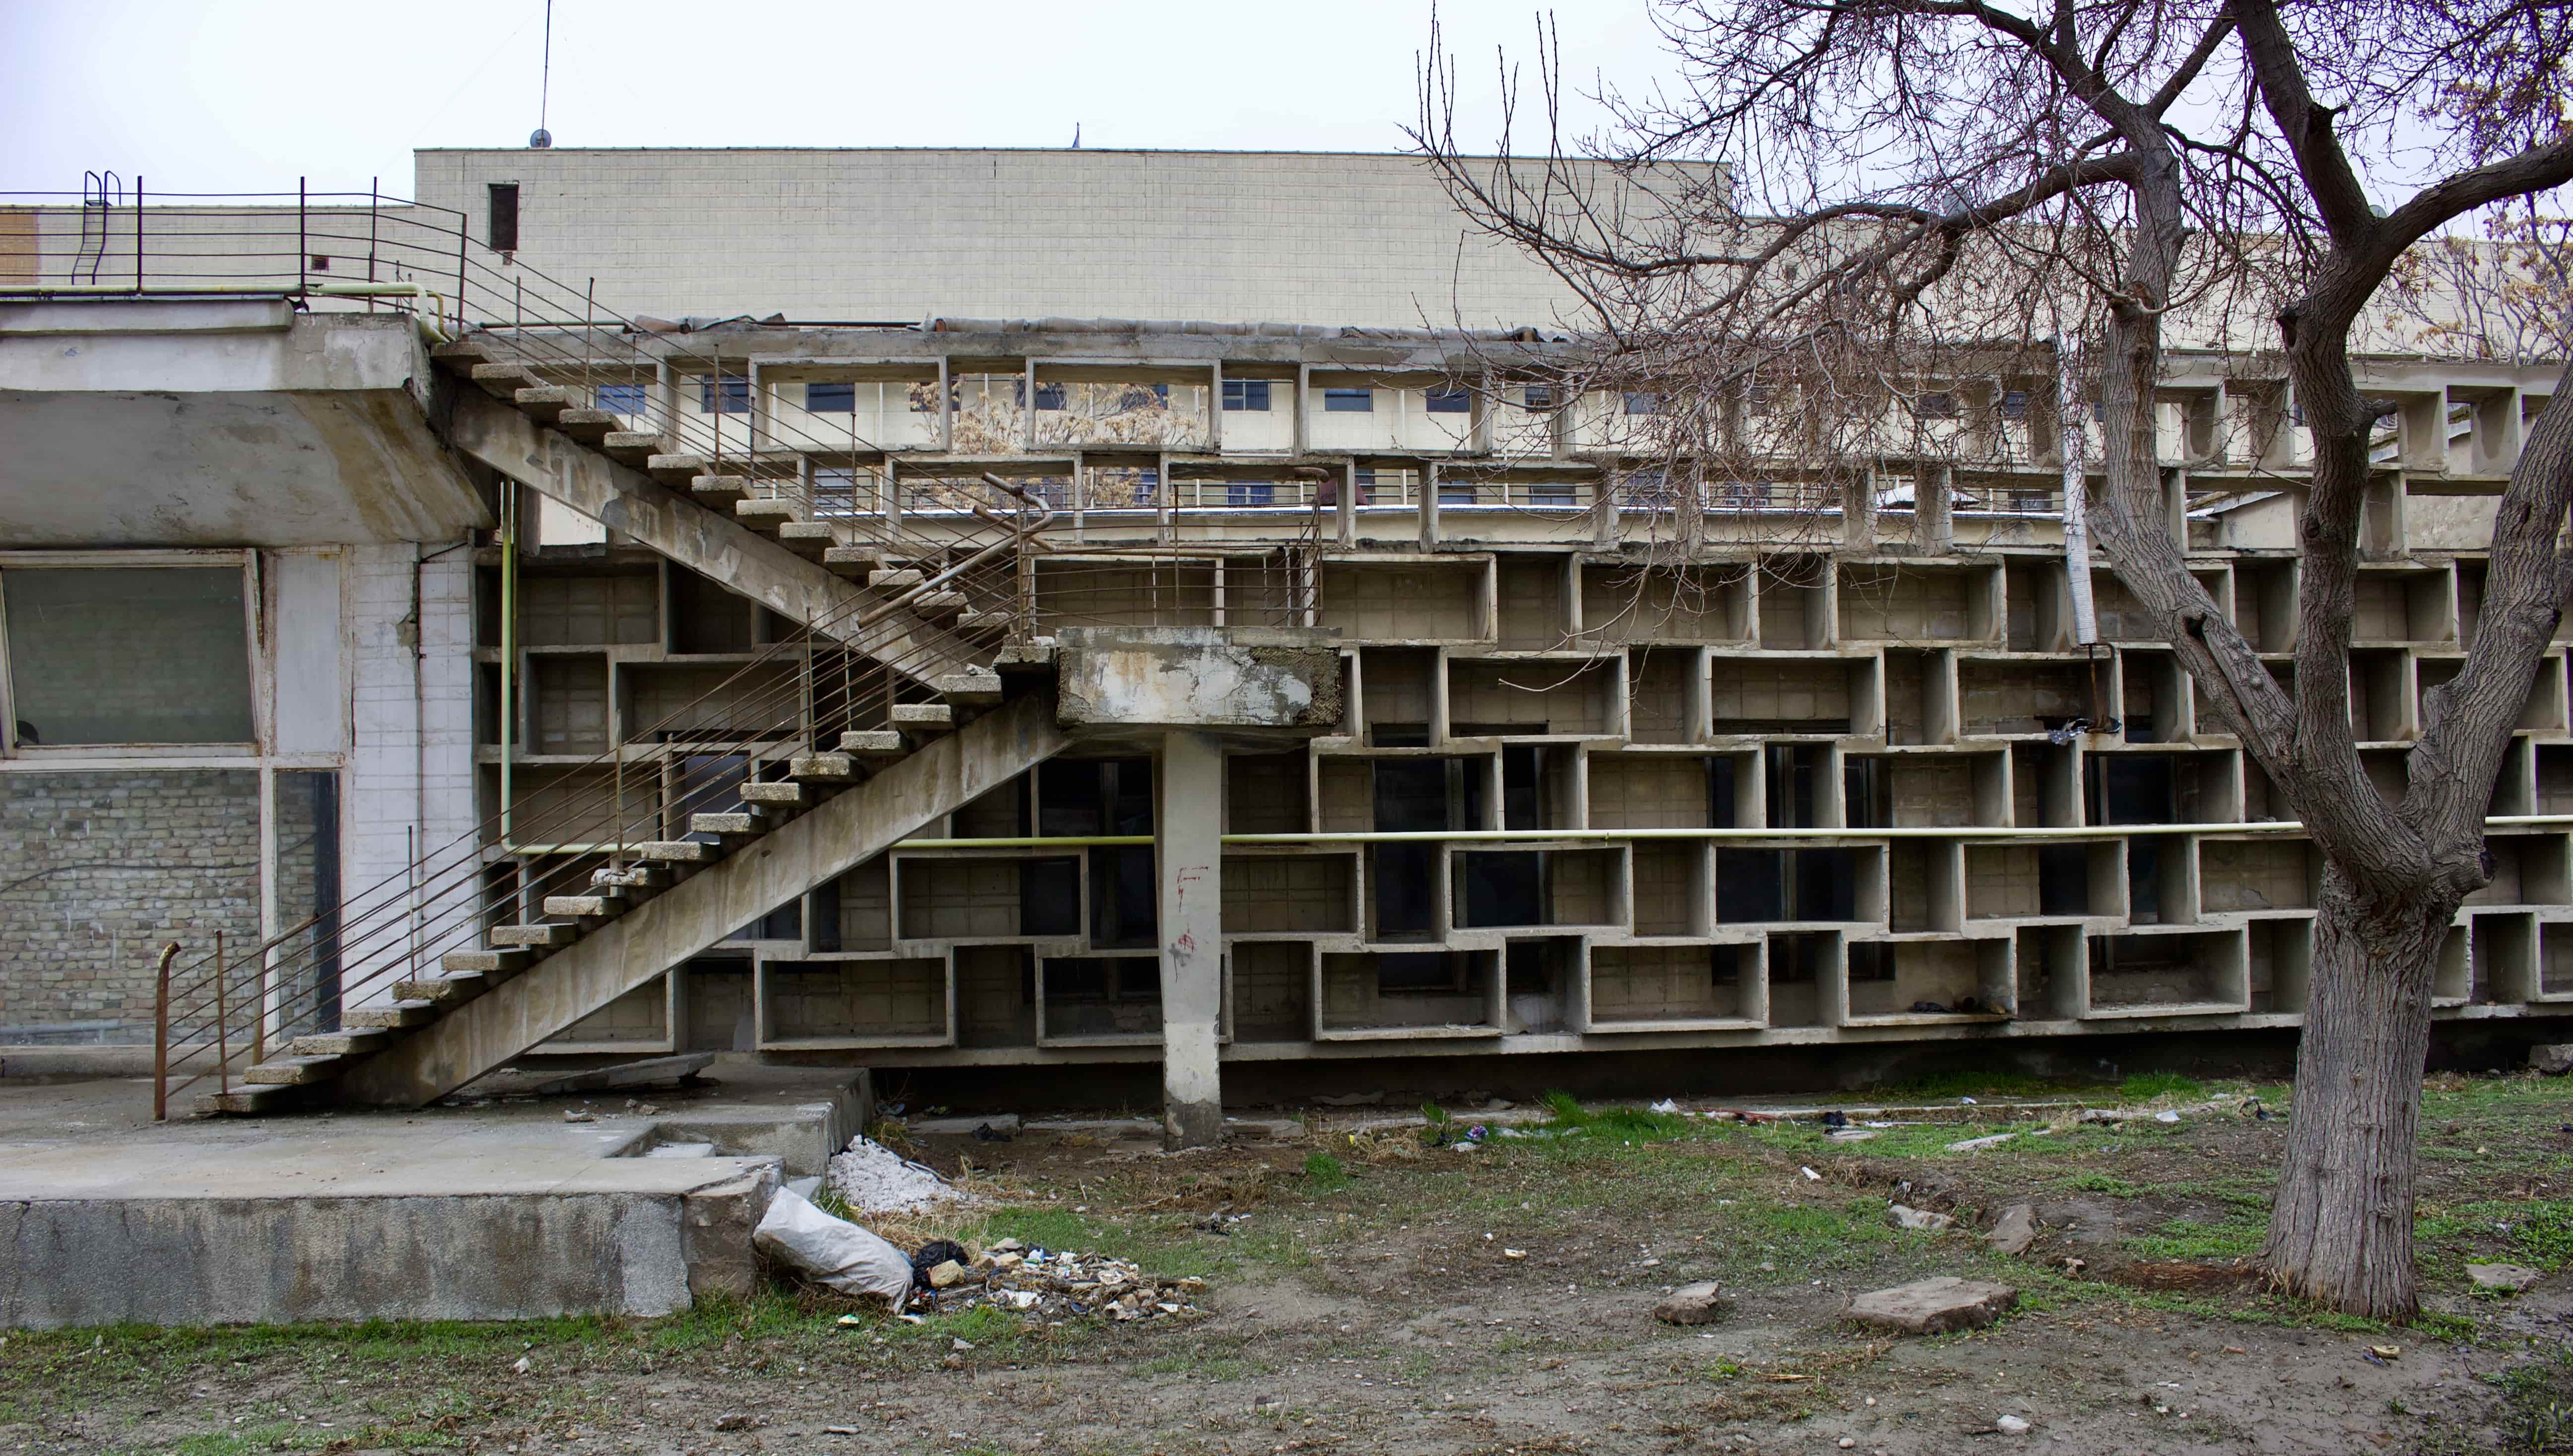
pixel 691 917
pixel 742 560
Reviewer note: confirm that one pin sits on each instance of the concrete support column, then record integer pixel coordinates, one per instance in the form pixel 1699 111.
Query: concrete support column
pixel 1191 870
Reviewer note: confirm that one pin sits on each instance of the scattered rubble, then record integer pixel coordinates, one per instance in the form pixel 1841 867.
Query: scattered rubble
pixel 1973 1144
pixel 1921 1219
pixel 2011 1425
pixel 1934 1305
pixel 2552 1061
pixel 2509 1278
pixel 1694 1304
pixel 2014 1231
pixel 1052 1285
pixel 873 1179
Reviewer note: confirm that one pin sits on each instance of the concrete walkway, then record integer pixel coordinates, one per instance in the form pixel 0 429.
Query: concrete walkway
pixel 493 1212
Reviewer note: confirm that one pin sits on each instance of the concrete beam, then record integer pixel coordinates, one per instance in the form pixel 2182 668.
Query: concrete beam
pixel 692 916
pixel 629 500
pixel 1191 868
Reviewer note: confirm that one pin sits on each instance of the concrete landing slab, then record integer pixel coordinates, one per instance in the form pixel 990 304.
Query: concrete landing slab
pixel 499 1211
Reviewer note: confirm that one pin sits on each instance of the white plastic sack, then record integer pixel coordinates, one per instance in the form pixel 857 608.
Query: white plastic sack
pixel 831 1250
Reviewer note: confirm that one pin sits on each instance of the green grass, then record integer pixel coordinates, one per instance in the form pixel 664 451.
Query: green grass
pixel 2199 1241
pixel 2539 1230
pixel 2144 1086
pixel 1324 1173
pixel 1625 1124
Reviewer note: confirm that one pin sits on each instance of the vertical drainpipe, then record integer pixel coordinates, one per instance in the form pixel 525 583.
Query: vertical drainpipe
pixel 2077 528
pixel 508 643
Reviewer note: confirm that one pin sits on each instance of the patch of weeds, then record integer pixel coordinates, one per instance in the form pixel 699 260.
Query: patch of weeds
pixel 1946 1085
pixel 2147 1086
pixel 1326 1173
pixel 2201 1243
pixel 2539 1230
pixel 2094 1183
pixel 2537 1405
pixel 1630 1124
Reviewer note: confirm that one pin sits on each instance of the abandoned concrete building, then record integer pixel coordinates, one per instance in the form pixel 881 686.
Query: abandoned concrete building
pixel 938 665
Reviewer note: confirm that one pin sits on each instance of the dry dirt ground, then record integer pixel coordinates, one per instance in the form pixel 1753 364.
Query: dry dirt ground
pixel 1370 1301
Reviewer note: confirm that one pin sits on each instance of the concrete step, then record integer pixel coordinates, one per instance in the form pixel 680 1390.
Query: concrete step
pixel 923 720
pixel 823 767
pixel 586 907
pixel 983 622
pixel 677 471
pixel 390 1017
pixel 810 539
pixel 764 513
pixel 632 879
pixel 255 1101
pixel 502 381
pixel 342 1044
pixel 444 991
pixel 767 795
pixel 296 1071
pixel 631 446
pixel 855 562
pixel 874 744
pixel 938 603
pixel 749 822
pixel 498 965
pixel 590 426
pixel 677 852
pixel 1024 659
pixel 545 404
pixel 970 689
pixel 459 356
pixel 535 934
pixel 718 492
pixel 896 580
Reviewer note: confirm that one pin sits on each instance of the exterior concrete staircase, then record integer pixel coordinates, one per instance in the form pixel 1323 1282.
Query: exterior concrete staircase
pixel 866 593
pixel 833 812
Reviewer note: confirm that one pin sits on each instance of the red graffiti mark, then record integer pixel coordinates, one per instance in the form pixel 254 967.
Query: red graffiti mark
pixel 1186 943
pixel 1179 886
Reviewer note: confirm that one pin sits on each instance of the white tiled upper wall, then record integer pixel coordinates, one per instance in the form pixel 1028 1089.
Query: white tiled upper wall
pixel 897 236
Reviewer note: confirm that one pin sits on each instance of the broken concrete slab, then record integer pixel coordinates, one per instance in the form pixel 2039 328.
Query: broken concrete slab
pixel 1241 677
pixel 2509 1278
pixel 1694 1304
pixel 1920 1220
pixel 2552 1061
pixel 2014 1231
pixel 1934 1307
pixel 1975 1145
pixel 649 1072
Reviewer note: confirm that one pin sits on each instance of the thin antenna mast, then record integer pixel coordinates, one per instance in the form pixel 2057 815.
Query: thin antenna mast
pixel 545 83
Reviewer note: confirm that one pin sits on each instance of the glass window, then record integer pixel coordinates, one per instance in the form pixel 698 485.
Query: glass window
pixel 128 654
pixel 1639 401
pixel 831 399
pixel 1451 401
pixel 2014 405
pixel 1538 397
pixel 622 399
pixel 734 398
pixel 1938 404
pixel 1250 492
pixel 1247 394
pixel 1349 402
pixel 1049 397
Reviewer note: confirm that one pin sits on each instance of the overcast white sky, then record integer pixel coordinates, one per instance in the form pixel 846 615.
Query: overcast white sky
pixel 247 95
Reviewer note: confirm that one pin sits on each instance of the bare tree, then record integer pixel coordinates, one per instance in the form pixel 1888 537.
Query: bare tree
pixel 1901 185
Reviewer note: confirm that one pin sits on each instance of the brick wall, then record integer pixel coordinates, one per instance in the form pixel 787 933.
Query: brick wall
pixel 97 870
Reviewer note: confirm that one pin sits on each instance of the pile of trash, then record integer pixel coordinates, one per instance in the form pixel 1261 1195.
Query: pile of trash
pixel 1054 1284
pixel 943 1275
pixel 873 1179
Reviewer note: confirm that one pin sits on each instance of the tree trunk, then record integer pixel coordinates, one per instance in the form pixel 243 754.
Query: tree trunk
pixel 2341 1233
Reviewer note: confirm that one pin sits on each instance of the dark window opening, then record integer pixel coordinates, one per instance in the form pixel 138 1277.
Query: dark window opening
pixel 1509 889
pixel 1247 394
pixel 831 399
pixel 2062 880
pixel 1050 897
pixel 1524 784
pixel 1937 404
pixel 729 394
pixel 320 262
pixel 504 217
pixel 1250 492
pixel 2014 405
pixel 1642 402
pixel 1871 960
pixel 1451 401
pixel 1538 397
pixel 1760 886
pixel 1349 402
pixel 1049 397
pixel 1868 792
pixel 1793 771
pixel 622 399
pixel 1429 973
pixel 1721 793
pixel 1137 397
pixel 1097 978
